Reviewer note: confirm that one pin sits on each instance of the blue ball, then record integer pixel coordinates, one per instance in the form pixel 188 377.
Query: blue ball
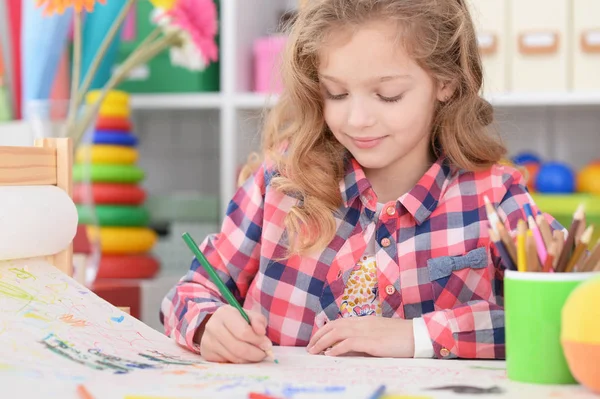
pixel 555 178
pixel 526 157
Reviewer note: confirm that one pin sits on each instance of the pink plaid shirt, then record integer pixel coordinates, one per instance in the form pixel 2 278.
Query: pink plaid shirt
pixel 434 260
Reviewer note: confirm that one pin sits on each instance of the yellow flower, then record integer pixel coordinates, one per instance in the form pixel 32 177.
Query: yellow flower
pixel 59 6
pixel 164 4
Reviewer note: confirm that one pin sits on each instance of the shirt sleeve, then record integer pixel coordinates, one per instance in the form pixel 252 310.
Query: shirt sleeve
pixel 234 253
pixel 423 345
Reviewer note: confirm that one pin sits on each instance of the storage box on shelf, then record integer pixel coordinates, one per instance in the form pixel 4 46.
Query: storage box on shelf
pixel 491 23
pixel 541 41
pixel 586 45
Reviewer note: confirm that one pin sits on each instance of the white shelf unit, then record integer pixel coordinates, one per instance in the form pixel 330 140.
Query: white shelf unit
pixel 258 101
pixel 560 126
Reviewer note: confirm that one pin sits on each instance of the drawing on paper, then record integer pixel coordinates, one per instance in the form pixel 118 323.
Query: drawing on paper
pixel 55 332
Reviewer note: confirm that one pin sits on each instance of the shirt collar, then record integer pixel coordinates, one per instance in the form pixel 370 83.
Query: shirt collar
pixel 420 201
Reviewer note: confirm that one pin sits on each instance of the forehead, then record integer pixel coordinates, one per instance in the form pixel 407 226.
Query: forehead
pixel 371 49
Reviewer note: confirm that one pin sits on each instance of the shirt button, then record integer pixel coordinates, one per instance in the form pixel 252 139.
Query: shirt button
pixel 391 211
pixel 390 289
pixel 385 242
pixel 444 352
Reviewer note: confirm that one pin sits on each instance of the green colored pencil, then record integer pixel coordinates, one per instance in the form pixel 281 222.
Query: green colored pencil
pixel 217 280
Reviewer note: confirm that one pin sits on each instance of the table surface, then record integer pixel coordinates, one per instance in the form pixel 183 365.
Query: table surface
pixel 426 378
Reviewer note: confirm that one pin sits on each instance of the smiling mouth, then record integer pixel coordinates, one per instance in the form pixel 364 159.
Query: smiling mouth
pixel 366 142
pixel 366 139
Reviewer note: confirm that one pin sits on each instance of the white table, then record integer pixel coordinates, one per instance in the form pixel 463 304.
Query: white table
pixel 416 377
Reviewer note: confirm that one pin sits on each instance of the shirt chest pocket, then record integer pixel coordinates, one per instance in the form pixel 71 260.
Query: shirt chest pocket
pixel 459 279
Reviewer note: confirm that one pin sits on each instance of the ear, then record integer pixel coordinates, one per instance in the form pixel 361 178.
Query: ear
pixel 445 91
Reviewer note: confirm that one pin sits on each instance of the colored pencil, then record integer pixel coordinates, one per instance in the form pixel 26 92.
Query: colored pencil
pixel 533 260
pixel 83 392
pixel 580 248
pixel 558 237
pixel 548 265
pixel 580 230
pixel 593 258
pixel 570 242
pixel 256 395
pixel 544 227
pixel 218 282
pixel 508 242
pixel 378 394
pixel 521 250
pixel 528 211
pixel 506 259
pixel 539 241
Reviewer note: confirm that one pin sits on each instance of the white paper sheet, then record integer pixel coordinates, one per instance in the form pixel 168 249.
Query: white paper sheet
pixel 55 332
pixel 55 335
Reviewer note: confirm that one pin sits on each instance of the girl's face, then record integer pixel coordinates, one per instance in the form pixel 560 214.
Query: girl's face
pixel 378 102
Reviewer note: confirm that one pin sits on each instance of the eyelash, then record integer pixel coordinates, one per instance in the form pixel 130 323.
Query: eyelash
pixel 384 99
pixel 335 97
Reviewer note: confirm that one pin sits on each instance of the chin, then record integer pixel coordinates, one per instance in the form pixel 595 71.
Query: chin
pixel 371 161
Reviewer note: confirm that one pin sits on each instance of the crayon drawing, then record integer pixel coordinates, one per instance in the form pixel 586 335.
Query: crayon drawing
pixel 53 329
pixel 57 334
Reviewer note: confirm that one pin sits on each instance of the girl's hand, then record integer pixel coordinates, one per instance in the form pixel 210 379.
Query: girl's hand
pixel 228 337
pixel 372 335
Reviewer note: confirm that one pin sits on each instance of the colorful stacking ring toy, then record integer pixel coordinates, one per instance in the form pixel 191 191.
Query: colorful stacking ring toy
pixel 114 139
pixel 127 266
pixel 109 123
pixel 112 97
pixel 104 153
pixel 114 215
pixel 112 131
pixel 115 103
pixel 123 240
pixel 109 193
pixel 108 173
pixel 114 110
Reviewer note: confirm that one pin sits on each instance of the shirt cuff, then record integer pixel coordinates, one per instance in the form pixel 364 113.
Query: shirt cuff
pixel 423 345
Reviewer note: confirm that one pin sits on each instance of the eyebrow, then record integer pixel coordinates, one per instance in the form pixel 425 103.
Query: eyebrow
pixel 380 79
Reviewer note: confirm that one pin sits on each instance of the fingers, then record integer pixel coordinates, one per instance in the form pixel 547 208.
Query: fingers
pixel 349 345
pixel 327 340
pixel 214 351
pixel 242 331
pixel 244 352
pixel 228 337
pixel 320 333
pixel 258 323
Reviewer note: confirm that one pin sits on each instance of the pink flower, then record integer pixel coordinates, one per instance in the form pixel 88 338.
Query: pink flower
pixel 198 18
pixel 195 21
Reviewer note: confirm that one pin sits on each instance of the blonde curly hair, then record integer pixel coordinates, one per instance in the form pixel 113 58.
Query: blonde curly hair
pixel 438 34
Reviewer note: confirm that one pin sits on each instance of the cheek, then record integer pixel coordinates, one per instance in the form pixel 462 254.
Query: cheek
pixel 408 117
pixel 398 118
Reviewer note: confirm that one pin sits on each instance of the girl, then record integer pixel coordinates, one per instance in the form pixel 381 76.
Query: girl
pixel 363 228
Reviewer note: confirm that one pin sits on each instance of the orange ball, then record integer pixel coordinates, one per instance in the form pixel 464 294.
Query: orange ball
pixel 531 171
pixel 580 333
pixel 588 179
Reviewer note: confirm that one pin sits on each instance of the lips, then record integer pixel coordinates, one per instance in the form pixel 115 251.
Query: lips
pixel 366 142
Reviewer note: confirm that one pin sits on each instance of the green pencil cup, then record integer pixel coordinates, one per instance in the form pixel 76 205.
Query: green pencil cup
pixel 533 304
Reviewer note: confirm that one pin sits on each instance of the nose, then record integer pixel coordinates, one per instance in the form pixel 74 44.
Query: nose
pixel 359 115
